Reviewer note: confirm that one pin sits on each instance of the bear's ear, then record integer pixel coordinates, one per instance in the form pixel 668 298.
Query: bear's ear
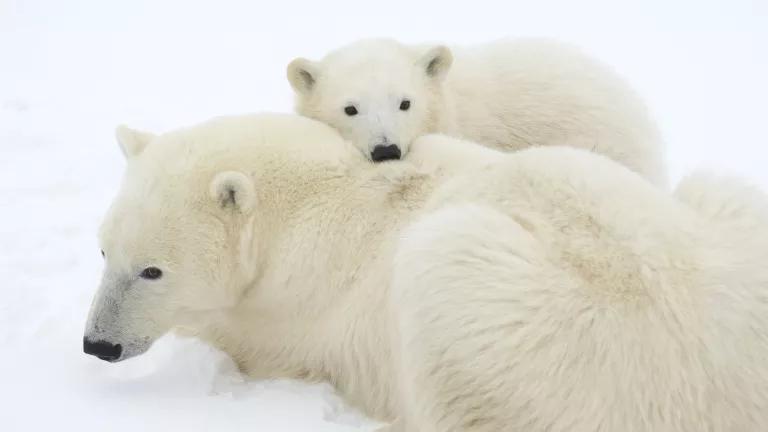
pixel 302 74
pixel 132 142
pixel 233 189
pixel 436 61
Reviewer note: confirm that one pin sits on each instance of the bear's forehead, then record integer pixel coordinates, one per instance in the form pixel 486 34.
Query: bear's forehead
pixel 145 196
pixel 134 224
pixel 358 71
pixel 366 60
pixel 369 78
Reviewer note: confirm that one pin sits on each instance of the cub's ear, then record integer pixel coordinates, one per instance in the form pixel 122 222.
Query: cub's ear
pixel 233 189
pixel 302 74
pixel 436 61
pixel 132 142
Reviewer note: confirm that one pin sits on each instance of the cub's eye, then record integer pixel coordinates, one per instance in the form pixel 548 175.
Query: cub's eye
pixel 151 273
pixel 405 104
pixel 350 110
pixel 102 254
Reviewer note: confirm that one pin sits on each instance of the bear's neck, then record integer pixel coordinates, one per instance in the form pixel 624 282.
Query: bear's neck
pixel 320 308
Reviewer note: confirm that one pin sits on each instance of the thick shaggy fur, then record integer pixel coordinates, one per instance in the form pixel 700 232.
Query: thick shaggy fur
pixel 507 95
pixel 464 289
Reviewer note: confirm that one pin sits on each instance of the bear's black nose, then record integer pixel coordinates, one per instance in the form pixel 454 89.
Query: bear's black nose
pixel 103 350
pixel 388 152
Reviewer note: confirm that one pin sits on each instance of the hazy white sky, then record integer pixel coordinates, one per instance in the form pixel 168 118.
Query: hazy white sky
pixel 700 64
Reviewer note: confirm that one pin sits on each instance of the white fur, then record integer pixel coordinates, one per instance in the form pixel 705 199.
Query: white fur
pixel 132 141
pixel 507 95
pixel 545 290
pixel 233 188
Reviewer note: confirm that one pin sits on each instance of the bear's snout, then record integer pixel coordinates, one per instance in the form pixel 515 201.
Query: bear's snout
pixel 102 349
pixel 385 152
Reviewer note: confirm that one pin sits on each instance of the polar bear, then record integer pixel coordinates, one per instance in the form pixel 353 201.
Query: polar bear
pixel 461 289
pixel 507 95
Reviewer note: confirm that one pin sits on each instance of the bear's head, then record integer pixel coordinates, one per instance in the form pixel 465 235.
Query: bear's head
pixel 181 240
pixel 379 94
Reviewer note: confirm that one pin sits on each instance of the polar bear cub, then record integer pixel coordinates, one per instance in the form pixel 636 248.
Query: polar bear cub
pixel 508 95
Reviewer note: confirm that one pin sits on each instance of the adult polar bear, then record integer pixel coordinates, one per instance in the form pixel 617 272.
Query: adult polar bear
pixel 546 290
pixel 508 95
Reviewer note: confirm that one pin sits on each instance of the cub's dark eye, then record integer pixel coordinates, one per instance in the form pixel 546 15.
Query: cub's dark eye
pixel 405 104
pixel 350 110
pixel 151 273
pixel 102 254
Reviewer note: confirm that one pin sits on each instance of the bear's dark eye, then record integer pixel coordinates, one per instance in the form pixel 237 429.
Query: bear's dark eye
pixel 405 104
pixel 151 273
pixel 102 254
pixel 350 110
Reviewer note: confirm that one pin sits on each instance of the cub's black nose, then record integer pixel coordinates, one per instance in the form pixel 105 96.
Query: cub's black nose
pixel 382 153
pixel 103 350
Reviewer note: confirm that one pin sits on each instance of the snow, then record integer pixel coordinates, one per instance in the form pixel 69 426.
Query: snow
pixel 71 71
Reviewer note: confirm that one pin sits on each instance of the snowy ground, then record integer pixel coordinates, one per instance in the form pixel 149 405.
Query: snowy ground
pixel 71 70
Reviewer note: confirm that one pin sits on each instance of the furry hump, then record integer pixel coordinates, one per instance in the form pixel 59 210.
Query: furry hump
pixel 301 138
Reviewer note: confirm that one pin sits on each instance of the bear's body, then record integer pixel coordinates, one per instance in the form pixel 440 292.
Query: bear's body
pixel 507 95
pixel 462 290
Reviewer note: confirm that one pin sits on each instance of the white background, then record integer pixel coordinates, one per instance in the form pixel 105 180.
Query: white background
pixel 72 70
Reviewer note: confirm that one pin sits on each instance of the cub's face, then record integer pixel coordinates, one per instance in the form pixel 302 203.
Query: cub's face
pixel 378 99
pixel 168 252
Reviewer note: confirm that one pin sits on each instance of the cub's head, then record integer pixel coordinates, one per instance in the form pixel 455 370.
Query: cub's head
pixel 177 243
pixel 378 94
